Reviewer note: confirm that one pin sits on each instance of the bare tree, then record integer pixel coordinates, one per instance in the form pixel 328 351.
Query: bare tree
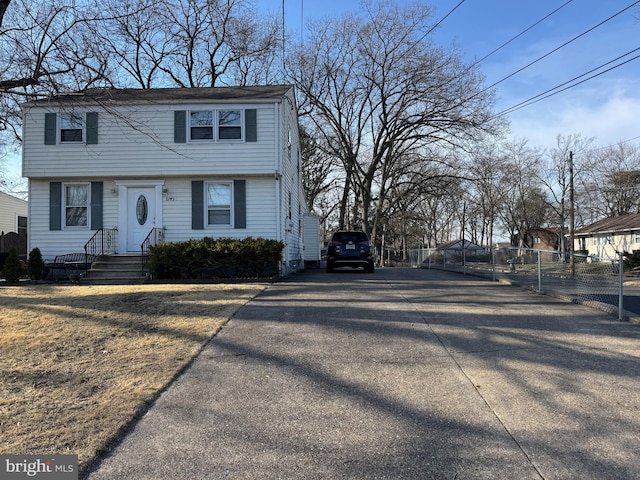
pixel 525 203
pixel 613 179
pixel 71 45
pixel 190 43
pixel 318 175
pixel 491 182
pixel 381 93
pixel 42 52
pixel 556 181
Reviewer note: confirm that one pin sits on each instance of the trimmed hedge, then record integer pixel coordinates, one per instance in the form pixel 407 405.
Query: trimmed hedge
pixel 221 258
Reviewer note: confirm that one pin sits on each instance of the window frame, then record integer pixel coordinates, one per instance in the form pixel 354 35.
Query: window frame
pixel 216 126
pixel 240 125
pixel 69 117
pixel 86 206
pixel 207 206
pixel 191 126
pixel 22 229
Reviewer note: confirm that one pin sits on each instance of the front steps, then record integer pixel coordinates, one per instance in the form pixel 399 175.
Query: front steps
pixel 116 270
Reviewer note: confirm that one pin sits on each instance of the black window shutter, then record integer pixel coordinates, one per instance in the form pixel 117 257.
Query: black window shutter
pixel 239 204
pixel 92 128
pixel 180 126
pixel 96 204
pixel 50 124
pixel 55 206
pixel 197 205
pixel 250 125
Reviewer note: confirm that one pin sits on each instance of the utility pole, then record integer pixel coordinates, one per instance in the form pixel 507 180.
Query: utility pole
pixel 572 219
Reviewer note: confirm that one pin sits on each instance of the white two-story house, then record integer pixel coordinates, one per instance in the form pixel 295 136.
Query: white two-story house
pixel 191 162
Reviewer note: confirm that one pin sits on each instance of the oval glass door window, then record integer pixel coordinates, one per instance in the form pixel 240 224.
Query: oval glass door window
pixel 142 209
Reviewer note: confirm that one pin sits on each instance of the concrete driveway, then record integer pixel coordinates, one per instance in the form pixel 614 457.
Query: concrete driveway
pixel 400 374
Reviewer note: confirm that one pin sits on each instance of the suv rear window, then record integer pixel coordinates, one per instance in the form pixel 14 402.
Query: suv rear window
pixel 355 237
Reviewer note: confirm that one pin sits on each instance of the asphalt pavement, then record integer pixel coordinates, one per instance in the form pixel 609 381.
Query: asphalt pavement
pixel 399 374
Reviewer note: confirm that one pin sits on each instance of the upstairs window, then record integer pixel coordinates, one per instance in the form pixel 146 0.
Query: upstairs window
pixel 71 127
pixel 229 125
pixel 201 125
pixel 213 126
pixel 219 197
pixel 76 205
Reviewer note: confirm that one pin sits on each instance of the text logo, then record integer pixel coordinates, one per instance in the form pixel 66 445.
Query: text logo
pixel 45 467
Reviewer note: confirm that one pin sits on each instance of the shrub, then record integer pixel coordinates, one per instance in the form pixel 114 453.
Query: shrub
pixel 221 258
pixel 632 260
pixel 35 264
pixel 13 268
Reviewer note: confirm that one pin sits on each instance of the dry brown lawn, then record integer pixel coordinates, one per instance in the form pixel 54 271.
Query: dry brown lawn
pixel 79 363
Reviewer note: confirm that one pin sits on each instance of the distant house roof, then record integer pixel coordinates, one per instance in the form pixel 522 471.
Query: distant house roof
pixel 150 95
pixel 457 245
pixel 623 223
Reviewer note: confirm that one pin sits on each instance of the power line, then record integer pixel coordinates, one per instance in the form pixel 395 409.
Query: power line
pixel 445 17
pixel 438 23
pixel 520 34
pixel 622 142
pixel 561 46
pixel 557 89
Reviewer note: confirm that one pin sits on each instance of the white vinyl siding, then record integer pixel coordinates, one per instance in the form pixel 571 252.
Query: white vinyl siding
pixel 67 240
pixel 148 148
pixel 261 212
pixel 10 209
pixel 292 200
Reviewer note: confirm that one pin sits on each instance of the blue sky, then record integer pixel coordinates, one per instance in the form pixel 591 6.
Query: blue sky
pixel 607 107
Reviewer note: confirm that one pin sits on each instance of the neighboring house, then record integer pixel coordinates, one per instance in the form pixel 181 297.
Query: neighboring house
pixel 607 237
pixel 13 225
pixel 193 162
pixel 13 214
pixel 538 238
pixel 456 248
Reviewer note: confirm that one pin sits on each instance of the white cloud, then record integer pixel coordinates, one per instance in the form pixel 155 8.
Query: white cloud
pixel 610 120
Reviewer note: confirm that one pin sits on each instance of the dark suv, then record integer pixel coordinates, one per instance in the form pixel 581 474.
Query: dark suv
pixel 350 249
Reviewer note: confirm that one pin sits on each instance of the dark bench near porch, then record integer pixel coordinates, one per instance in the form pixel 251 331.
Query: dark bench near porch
pixel 68 263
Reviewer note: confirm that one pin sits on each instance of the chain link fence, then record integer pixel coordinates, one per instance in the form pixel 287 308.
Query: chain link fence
pixel 591 280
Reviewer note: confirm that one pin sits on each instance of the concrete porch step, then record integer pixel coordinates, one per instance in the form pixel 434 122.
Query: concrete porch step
pixel 116 270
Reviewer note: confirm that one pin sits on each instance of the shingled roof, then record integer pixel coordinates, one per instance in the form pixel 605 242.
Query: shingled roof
pixel 151 95
pixel 623 223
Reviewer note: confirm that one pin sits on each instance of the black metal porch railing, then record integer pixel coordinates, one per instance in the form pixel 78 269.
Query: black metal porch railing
pixel 104 241
pixel 155 237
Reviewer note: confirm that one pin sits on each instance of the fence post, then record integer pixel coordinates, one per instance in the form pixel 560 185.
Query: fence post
pixel 620 284
pixel 539 272
pixel 493 261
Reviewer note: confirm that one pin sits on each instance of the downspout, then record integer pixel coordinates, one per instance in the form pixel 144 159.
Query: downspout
pixel 277 173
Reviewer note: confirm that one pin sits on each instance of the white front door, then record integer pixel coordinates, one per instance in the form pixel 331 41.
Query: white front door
pixel 141 215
